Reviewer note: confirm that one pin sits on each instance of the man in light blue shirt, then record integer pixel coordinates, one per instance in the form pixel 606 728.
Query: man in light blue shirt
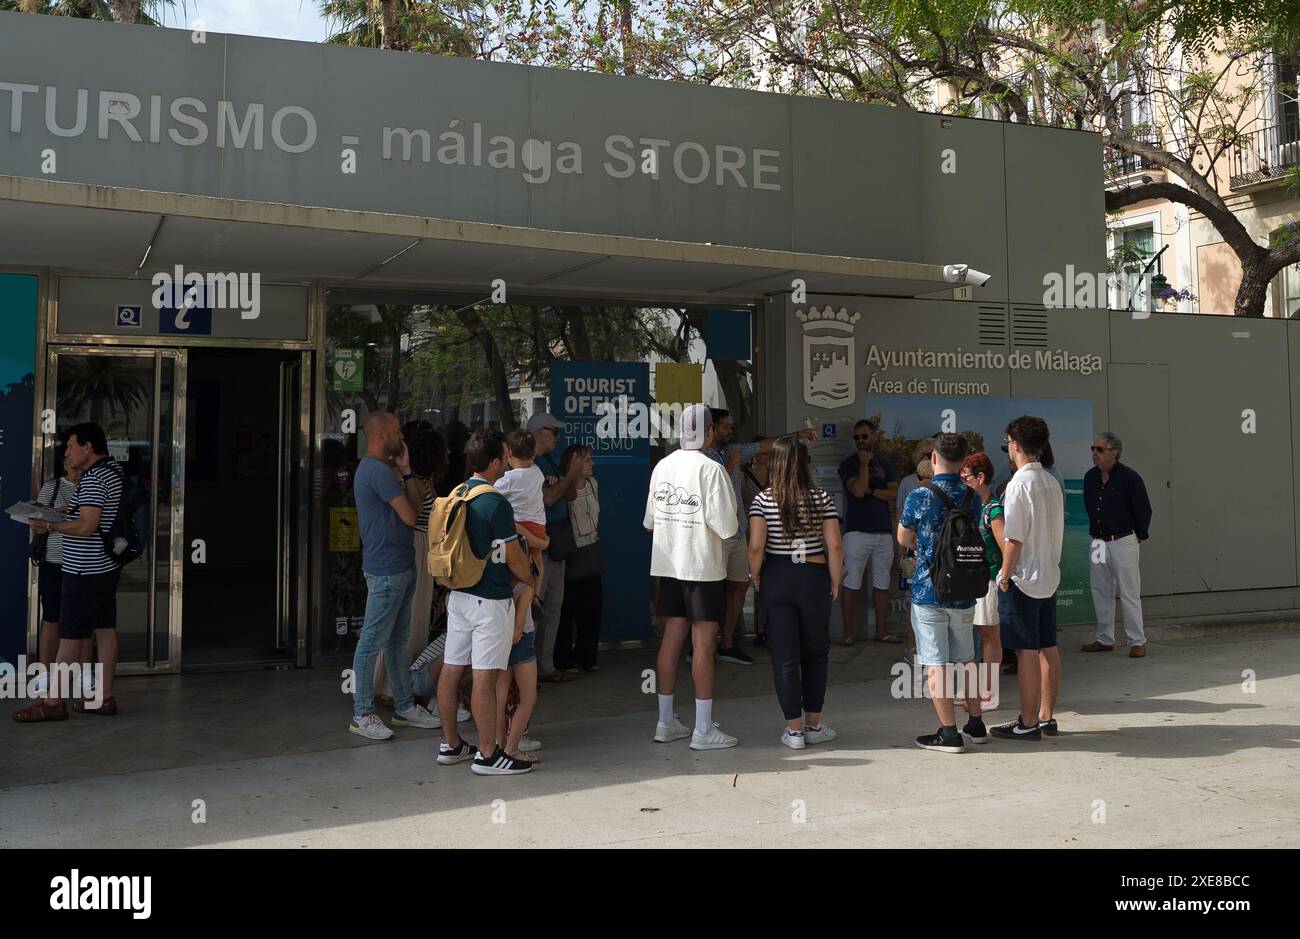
pixel 386 512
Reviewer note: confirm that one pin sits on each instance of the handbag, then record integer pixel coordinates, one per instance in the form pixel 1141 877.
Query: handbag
pixel 585 563
pixel 563 542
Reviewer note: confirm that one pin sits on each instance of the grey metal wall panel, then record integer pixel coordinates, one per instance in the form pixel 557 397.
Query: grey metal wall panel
pixel 1233 497
pixel 856 180
pixel 107 57
pixel 590 109
pixel 359 93
pixel 1056 210
pixel 843 178
pixel 1141 420
pixel 964 214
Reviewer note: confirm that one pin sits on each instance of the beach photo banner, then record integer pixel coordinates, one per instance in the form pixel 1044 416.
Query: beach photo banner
pixel 906 419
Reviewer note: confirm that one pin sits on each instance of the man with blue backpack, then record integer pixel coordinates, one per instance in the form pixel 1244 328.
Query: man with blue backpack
pixel 99 537
pixel 940 519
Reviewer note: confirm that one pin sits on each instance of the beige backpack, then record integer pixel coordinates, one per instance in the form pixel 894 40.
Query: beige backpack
pixel 451 560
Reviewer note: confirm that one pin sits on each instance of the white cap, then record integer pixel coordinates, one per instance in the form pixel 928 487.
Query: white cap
pixel 696 421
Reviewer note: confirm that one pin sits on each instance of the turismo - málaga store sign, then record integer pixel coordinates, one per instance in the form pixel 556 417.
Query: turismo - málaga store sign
pixel 192 122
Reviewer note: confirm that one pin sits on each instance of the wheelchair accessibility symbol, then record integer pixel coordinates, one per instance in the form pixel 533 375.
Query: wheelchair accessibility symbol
pixel 128 317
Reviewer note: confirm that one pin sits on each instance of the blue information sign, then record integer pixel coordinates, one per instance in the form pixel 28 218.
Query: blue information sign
pixel 583 394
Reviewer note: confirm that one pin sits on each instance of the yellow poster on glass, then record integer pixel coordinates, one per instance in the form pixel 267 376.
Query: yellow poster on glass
pixel 678 383
pixel 345 533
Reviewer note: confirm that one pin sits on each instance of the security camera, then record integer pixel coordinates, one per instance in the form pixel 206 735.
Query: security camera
pixel 964 274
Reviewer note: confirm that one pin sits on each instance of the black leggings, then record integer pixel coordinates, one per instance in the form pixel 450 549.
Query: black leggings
pixel 797 605
pixel 580 613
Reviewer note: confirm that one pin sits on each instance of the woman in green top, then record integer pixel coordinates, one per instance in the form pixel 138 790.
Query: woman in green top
pixel 977 472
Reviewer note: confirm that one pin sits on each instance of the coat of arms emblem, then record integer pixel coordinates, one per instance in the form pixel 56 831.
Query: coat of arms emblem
pixel 828 356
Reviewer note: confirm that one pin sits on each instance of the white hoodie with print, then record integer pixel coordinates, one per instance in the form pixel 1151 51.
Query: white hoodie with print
pixel 691 509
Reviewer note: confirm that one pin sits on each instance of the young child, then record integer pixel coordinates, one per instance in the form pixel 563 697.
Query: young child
pixel 522 487
pixel 521 671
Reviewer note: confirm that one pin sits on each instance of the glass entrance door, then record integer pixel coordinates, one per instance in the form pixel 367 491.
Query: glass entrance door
pixel 137 396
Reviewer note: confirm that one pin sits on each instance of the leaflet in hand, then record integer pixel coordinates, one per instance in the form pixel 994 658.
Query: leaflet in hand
pixel 22 511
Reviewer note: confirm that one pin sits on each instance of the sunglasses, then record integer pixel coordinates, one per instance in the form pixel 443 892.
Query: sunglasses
pixel 1100 449
pixel 1005 448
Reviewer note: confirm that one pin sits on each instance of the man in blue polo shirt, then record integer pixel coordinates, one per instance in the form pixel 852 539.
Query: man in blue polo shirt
pixel 945 631
pixel 869 490
pixel 387 507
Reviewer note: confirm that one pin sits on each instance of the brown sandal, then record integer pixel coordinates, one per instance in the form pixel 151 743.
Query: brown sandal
pixel 42 710
pixel 107 708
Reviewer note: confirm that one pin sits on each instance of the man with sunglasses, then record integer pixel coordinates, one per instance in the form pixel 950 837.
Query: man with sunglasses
pixel 1119 516
pixel 869 491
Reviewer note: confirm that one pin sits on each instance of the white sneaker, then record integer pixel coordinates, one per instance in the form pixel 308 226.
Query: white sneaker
pixel 822 735
pixel 794 741
pixel 715 739
pixel 665 733
pixel 416 716
pixel 463 714
pixel 528 744
pixel 38 685
pixel 370 727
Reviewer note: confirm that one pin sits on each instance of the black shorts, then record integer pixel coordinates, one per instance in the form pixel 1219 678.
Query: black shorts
pixel 89 603
pixel 1026 622
pixel 697 600
pixel 49 584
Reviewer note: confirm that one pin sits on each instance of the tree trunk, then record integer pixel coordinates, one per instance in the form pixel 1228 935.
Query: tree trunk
pixel 388 25
pixel 125 11
pixel 1254 285
pixel 496 365
pixel 627 36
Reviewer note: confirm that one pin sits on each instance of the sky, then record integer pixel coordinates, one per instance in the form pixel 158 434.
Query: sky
pixel 277 19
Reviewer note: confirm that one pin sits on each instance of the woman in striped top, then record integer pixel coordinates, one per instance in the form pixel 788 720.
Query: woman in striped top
pixel 796 562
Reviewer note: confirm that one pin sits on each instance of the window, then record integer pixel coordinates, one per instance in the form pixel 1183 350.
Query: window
pixel 1133 249
pixel 1288 292
pixel 1286 99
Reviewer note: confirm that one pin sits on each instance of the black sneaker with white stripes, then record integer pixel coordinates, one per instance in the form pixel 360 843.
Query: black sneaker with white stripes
pixel 448 756
pixel 1016 730
pixel 1048 727
pixel 500 764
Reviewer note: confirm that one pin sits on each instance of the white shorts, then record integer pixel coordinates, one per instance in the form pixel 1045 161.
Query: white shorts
pixel 478 631
pixel 861 547
pixel 986 607
pixel 737 559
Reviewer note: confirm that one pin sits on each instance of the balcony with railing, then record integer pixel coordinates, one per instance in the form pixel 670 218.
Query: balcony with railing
pixel 1265 154
pixel 1119 164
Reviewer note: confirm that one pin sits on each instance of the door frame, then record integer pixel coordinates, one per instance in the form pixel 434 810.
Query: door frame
pixel 175 558
pixel 296 575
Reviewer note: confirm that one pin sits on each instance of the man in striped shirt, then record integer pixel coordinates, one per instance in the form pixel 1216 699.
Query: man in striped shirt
pixel 89 593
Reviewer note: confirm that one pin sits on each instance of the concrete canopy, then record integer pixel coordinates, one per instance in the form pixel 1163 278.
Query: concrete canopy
pixel 129 232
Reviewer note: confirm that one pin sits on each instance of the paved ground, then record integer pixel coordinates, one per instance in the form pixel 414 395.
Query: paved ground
pixel 1173 746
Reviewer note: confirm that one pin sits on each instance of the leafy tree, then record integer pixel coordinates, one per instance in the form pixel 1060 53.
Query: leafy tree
pixel 141 12
pixel 1198 67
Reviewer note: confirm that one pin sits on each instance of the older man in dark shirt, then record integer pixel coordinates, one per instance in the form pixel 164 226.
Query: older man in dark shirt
pixel 1119 516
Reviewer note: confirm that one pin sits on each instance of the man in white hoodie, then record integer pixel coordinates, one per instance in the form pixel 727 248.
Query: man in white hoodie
pixel 691 511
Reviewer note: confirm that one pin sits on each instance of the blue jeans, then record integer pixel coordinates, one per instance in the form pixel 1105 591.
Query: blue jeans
pixel 944 635
pixel 387 629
